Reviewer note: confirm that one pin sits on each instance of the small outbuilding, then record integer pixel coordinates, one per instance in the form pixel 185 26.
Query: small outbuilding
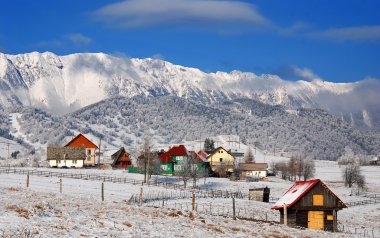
pixel 121 159
pixel 310 204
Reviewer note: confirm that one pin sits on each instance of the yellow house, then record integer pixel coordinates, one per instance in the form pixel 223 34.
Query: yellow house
pixel 221 158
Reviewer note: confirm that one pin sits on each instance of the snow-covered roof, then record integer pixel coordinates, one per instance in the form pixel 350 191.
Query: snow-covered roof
pixel 298 189
pixel 375 159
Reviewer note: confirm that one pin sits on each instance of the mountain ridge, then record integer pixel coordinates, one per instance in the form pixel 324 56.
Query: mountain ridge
pixel 63 84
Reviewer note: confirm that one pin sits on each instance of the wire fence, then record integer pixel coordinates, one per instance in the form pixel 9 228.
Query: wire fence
pixel 201 192
pixel 171 200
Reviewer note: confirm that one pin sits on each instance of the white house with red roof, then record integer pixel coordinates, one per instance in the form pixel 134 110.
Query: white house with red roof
pixel 90 148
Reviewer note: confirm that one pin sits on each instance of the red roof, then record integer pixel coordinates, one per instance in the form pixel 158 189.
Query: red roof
pixel 198 158
pixel 296 192
pixel 202 154
pixel 167 157
pixel 81 141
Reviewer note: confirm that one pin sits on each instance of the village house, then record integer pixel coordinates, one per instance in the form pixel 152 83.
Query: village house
pixel 121 159
pixel 310 204
pixel 221 159
pixel 66 157
pixel 257 170
pixel 90 148
pixel 178 159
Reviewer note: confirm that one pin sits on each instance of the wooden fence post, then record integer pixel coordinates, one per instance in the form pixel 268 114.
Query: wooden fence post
pixel 140 197
pixel 285 215
pixel 27 182
pixel 60 185
pixel 193 202
pixel 103 192
pixel 233 208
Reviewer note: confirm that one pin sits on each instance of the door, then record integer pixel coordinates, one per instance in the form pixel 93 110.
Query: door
pixel 315 220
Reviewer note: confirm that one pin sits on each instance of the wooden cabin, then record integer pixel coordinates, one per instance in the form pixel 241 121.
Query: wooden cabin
pixel 310 204
pixel 82 141
pixel 121 159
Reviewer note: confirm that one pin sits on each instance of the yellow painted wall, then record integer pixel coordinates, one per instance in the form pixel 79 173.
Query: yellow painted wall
pixel 221 156
pixel 90 157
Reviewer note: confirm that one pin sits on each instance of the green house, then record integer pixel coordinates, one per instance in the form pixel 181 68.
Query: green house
pixel 178 160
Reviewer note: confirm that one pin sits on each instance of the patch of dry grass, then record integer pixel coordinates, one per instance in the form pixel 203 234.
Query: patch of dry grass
pixel 23 212
pixel 215 228
pixel 126 223
pixel 14 189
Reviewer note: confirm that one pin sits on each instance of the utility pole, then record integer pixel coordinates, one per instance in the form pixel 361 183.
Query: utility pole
pixel 148 156
pixel 100 143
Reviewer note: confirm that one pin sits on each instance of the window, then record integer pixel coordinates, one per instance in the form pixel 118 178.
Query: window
pixel 88 152
pixel 317 200
pixel 58 161
pixel 221 159
pixel 330 217
pixel 74 162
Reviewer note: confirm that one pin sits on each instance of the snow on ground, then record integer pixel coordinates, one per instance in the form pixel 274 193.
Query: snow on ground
pixel 79 211
pixel 50 214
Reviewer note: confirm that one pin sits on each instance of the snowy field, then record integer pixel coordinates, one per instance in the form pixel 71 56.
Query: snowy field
pixel 79 211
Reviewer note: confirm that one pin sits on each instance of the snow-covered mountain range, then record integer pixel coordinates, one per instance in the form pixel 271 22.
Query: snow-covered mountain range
pixel 64 84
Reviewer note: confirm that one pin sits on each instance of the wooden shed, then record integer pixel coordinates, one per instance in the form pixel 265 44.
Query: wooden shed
pixel 310 204
pixel 121 159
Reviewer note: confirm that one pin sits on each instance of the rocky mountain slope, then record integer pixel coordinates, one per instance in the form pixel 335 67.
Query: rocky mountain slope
pixel 63 84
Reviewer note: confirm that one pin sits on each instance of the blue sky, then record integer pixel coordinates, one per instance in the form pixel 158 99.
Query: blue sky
pixel 336 40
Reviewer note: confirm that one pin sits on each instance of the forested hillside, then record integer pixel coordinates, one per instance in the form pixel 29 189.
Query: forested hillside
pixel 121 121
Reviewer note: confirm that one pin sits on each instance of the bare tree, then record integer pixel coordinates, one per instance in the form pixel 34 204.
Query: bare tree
pixel 184 171
pixel 292 168
pixel 308 170
pixel 248 156
pixel 298 166
pixel 221 170
pixel 144 157
pixel 283 168
pixel 274 167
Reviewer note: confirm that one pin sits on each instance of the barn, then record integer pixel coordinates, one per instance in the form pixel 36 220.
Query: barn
pixel 310 204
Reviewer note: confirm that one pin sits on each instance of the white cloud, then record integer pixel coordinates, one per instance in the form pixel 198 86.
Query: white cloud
pixel 305 74
pixel 292 72
pixel 158 56
pixel 356 34
pixel 200 13
pixel 68 40
pixel 78 38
